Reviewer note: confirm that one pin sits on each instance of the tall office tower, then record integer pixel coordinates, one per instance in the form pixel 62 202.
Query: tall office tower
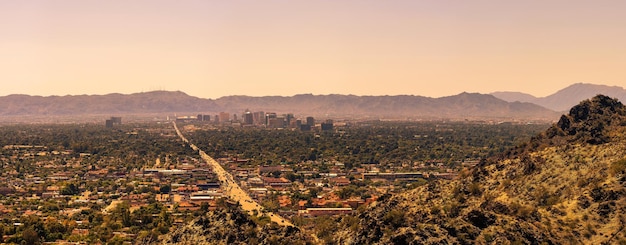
pixel 310 121
pixel 327 125
pixel 224 117
pixel 248 118
pixel 288 120
pixel 277 122
pixel 268 117
pixel 258 118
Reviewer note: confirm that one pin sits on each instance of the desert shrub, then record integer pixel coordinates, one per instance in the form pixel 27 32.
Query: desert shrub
pixel 394 218
pixel 452 209
pixel 515 207
pixel 506 183
pixel 618 167
pixel 474 189
pixel 435 210
pixel 488 237
pixel 544 197
pixel 552 200
pixel 521 210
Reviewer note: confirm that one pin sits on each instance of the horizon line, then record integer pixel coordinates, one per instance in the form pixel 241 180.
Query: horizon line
pixel 297 94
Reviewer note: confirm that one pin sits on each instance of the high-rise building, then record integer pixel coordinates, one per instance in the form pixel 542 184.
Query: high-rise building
pixel 288 119
pixel 114 120
pixel 277 122
pixel 224 117
pixel 248 118
pixel 204 118
pixel 310 121
pixel 268 117
pixel 258 118
pixel 327 125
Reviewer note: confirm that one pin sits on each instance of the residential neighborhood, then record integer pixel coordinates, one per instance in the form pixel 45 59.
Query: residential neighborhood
pixel 140 181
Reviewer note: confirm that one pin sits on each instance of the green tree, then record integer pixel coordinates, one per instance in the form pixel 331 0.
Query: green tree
pixel 2 232
pixel 70 189
pixel 126 218
pixel 30 236
pixel 276 174
pixel 165 189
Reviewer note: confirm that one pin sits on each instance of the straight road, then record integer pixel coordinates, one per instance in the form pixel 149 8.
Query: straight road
pixel 231 188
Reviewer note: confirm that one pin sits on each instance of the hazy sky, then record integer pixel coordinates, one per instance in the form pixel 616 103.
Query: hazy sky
pixel 211 48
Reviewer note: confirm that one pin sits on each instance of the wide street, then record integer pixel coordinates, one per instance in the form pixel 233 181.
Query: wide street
pixel 231 188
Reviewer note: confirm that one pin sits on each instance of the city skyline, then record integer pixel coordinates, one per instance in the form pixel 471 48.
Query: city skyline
pixel 216 49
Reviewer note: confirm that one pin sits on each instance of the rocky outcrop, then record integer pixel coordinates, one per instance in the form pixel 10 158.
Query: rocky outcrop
pixel 590 120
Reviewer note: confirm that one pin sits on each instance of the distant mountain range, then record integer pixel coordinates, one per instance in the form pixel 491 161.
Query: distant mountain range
pixel 461 106
pixel 567 97
pixel 464 105
pixel 498 105
pixel 150 102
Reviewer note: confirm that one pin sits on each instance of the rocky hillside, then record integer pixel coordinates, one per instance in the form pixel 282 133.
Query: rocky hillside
pixel 231 225
pixel 566 186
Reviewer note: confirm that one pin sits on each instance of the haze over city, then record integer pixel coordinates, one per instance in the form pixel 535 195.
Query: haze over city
pixel 211 49
pixel 312 122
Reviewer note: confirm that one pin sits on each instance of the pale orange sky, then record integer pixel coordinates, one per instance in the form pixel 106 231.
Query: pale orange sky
pixel 211 49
